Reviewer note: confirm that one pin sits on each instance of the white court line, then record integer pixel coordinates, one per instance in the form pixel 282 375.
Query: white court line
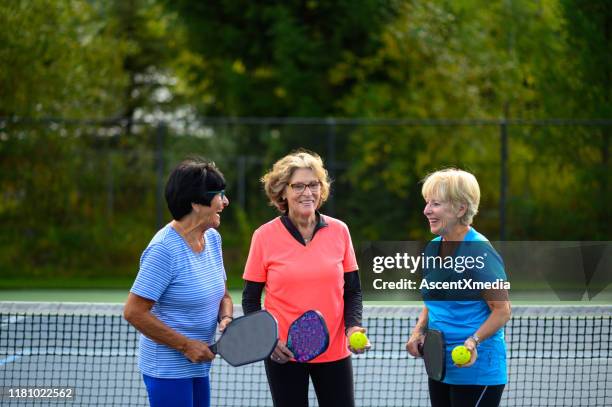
pixel 63 351
pixel 5 324
pixel 13 358
pixel 67 351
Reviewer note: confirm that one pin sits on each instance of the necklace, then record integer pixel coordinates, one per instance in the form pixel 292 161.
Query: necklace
pixel 196 245
pixel 309 228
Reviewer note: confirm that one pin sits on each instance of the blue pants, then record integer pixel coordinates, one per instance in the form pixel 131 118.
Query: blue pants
pixel 189 392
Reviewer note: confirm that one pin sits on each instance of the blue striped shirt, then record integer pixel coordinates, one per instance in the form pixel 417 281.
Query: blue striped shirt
pixel 187 288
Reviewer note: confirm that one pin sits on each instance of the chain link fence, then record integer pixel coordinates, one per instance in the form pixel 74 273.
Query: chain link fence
pixel 81 199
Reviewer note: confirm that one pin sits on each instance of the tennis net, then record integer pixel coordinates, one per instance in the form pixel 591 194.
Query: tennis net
pixel 557 356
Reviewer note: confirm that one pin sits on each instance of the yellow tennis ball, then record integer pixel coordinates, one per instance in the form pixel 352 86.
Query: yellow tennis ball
pixel 358 340
pixel 461 355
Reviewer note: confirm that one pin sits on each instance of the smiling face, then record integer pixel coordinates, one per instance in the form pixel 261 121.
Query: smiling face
pixel 305 203
pixel 211 215
pixel 443 218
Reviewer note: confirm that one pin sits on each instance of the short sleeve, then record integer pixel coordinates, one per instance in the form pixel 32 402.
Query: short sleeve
pixel 218 249
pixel 349 263
pixel 155 272
pixel 255 269
pixel 494 265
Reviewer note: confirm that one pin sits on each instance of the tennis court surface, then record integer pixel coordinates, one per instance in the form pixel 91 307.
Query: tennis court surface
pixel 557 356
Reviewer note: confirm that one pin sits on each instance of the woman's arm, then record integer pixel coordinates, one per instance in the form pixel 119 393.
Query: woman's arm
pixel 353 308
pixel 226 310
pixel 137 311
pixel 501 311
pixel 353 304
pixel 251 296
pixel 418 334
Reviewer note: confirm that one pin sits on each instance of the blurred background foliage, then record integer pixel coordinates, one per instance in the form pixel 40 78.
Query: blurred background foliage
pixel 84 85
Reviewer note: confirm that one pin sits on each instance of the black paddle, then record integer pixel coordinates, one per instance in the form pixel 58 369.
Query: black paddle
pixel 434 354
pixel 248 339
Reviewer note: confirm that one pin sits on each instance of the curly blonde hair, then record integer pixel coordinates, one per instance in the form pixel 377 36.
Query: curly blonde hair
pixel 277 179
pixel 454 186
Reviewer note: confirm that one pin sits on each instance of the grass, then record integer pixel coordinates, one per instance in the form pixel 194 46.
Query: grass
pixel 84 283
pixel 65 284
pixel 118 295
pixel 72 295
pixel 116 291
pixel 88 295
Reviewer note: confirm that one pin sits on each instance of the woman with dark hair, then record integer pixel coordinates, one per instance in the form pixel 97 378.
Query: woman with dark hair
pixel 180 295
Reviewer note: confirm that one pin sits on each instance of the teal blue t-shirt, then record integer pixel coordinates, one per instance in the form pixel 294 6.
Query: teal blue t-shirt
pixel 458 317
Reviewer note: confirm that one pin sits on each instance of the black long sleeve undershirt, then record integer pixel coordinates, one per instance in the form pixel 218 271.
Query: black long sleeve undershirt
pixel 251 296
pixel 353 307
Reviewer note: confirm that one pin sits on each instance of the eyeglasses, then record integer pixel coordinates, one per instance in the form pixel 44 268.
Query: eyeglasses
pixel 299 187
pixel 221 192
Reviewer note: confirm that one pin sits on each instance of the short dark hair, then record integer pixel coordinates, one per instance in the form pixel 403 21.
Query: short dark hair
pixel 189 182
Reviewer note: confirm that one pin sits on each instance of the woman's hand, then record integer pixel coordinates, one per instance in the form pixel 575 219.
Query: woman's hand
pixel 470 343
pixel 225 321
pixel 351 331
pixel 137 312
pixel 415 344
pixel 281 353
pixel 197 351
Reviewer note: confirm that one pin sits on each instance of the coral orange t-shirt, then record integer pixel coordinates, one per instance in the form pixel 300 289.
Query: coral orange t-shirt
pixel 299 278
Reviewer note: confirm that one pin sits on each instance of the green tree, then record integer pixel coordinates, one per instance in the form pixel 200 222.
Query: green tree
pixel 68 187
pixel 447 60
pixel 275 58
pixel 571 78
pixel 589 36
pixel 152 39
pixel 57 60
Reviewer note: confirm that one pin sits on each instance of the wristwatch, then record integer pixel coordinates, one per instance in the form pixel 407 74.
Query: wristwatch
pixel 476 339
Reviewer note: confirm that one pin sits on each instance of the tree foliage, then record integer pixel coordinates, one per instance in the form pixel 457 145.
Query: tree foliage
pixel 58 60
pixel 70 192
pixel 275 58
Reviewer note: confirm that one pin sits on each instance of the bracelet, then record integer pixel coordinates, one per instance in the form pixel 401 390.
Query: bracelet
pixel 226 316
pixel 475 338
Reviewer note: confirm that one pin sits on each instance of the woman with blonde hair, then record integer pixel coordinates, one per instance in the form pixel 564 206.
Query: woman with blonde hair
pixel 470 317
pixel 305 260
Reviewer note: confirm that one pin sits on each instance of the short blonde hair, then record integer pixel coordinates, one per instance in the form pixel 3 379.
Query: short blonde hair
pixel 276 180
pixel 455 186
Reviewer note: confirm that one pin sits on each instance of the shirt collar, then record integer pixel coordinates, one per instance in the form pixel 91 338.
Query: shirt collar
pixel 294 230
